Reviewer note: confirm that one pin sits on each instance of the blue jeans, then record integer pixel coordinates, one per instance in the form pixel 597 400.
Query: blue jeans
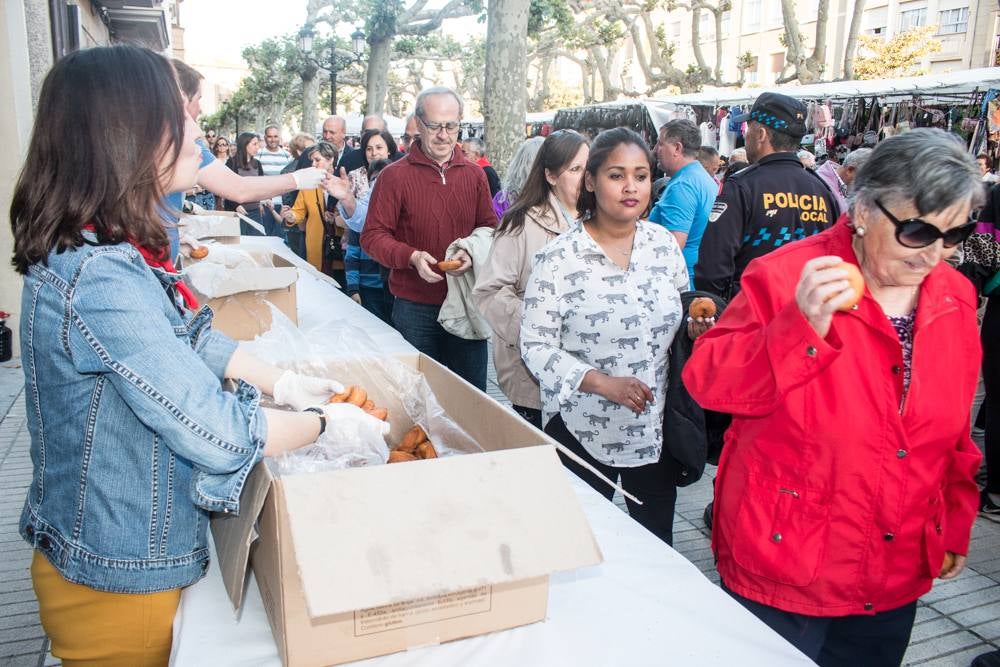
pixel 377 302
pixel 271 219
pixel 418 324
pixel 247 230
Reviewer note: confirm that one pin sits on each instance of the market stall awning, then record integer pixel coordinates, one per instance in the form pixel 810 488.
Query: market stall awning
pixel 949 84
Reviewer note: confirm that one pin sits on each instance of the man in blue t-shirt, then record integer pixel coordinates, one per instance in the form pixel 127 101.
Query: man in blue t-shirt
pixel 687 200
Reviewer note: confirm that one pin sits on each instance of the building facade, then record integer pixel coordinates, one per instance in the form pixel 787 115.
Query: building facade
pixel 967 30
pixel 33 35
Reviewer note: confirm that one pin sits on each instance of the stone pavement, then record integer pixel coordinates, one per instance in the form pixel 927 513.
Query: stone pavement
pixel 956 621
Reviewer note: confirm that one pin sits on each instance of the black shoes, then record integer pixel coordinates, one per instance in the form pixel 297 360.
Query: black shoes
pixel 988 508
pixel 707 516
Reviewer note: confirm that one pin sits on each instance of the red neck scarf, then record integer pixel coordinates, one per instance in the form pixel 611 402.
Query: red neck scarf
pixel 163 262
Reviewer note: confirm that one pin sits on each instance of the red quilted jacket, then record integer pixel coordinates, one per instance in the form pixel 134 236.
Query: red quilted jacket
pixel 836 495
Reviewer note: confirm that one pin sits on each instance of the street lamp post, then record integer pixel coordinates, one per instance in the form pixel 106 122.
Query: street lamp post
pixel 334 62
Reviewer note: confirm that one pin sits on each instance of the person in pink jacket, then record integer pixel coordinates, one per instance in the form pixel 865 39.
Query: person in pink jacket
pixel 846 484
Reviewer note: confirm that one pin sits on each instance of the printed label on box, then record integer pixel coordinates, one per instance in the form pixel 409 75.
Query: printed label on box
pixel 425 610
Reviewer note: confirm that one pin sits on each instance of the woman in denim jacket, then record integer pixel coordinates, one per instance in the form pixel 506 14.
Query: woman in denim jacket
pixel 133 440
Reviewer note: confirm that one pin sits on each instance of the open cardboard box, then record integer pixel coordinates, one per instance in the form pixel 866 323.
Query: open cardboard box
pixel 240 301
pixel 219 226
pixel 367 561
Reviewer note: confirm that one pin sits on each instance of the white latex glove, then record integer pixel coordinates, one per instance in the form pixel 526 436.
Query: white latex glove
pixel 187 240
pixel 309 178
pixel 301 391
pixel 344 415
pixel 198 210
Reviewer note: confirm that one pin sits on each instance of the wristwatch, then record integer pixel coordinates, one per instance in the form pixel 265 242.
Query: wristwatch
pixel 322 417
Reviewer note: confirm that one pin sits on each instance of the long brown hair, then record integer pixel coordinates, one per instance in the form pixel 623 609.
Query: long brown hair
pixel 106 117
pixel 555 155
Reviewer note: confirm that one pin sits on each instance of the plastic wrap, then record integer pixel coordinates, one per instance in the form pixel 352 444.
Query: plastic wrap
pixel 346 443
pixel 209 275
pixel 347 354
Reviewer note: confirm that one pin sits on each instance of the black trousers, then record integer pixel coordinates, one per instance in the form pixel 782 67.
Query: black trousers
pixel 530 415
pixel 846 641
pixel 652 484
pixel 991 380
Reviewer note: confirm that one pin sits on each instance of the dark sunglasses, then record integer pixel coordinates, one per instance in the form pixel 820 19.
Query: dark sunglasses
pixel 916 233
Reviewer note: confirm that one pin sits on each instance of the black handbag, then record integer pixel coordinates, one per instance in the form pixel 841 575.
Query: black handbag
pixel 691 436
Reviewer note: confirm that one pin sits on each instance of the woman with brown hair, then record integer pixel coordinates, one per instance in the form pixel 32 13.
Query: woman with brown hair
pixel 245 164
pixel 133 440
pixel 546 208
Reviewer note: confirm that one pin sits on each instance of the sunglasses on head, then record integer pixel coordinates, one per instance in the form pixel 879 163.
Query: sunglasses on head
pixel 916 233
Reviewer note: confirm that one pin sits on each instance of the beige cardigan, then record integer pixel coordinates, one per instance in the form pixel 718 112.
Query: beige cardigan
pixel 499 293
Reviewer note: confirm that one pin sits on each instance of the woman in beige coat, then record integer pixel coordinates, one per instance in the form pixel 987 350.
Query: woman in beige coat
pixel 545 208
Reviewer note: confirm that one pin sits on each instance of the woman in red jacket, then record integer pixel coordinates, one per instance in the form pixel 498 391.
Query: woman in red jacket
pixel 846 484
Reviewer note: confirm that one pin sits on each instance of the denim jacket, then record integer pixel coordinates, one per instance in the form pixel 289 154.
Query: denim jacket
pixel 133 440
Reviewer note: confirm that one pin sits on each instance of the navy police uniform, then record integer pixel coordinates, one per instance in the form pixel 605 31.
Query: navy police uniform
pixel 767 205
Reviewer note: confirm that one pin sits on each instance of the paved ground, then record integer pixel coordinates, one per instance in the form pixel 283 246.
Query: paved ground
pixel 955 622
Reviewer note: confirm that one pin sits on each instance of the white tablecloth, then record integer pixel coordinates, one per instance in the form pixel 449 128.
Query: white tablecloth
pixel 645 605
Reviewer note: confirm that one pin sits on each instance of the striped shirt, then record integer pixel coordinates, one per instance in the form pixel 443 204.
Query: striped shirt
pixel 273 162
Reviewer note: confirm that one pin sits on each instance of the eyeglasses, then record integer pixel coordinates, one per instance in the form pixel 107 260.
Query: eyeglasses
pixel 916 233
pixel 451 127
pixel 408 137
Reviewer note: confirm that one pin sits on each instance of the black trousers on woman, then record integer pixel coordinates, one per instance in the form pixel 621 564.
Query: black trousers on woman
pixel 652 484
pixel 991 379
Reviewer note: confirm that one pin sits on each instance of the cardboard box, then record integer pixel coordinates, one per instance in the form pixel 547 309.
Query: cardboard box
pixel 367 561
pixel 220 226
pixel 240 301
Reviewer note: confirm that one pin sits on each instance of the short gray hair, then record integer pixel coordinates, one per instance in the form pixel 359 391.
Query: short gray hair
pixel 520 166
pixel 477 143
pixel 686 132
pixel 431 92
pixel 926 167
pixel 857 158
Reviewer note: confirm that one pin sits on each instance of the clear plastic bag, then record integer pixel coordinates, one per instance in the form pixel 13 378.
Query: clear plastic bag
pixel 348 355
pixel 347 443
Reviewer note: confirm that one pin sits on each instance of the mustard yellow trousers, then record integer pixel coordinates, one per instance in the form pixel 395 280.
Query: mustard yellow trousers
pixel 90 628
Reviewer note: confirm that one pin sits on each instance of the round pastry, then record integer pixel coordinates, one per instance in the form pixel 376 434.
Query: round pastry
pixel 341 397
pixel 357 396
pixel 947 564
pixel 450 265
pixel 200 252
pixel 398 456
pixel 368 406
pixel 425 450
pixel 412 438
pixel 702 307
pixel 857 283
pixel 379 413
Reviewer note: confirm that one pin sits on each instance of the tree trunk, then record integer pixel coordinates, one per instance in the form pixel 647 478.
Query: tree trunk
pixel 696 39
pixel 817 61
pixel 379 57
pixel 505 95
pixel 310 102
pixel 718 47
pixel 852 39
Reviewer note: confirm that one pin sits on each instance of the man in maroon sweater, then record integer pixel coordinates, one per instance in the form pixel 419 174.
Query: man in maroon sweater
pixel 421 204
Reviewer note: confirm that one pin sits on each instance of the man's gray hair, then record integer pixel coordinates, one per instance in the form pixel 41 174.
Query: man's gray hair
pixel 419 110
pixel 684 131
pixel 857 158
pixel 925 167
pixel 520 166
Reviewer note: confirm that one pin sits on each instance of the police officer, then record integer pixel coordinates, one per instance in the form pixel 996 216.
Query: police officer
pixel 769 204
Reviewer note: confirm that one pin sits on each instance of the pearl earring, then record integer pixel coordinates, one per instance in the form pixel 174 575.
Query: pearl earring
pixel 859 231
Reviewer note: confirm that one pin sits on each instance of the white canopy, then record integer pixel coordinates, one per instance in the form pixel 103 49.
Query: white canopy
pixel 395 125
pixel 951 83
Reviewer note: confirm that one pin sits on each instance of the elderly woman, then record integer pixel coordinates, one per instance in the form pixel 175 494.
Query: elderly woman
pixel 846 485
pixel 516 175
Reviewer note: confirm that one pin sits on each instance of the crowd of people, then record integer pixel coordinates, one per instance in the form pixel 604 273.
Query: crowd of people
pixel 846 484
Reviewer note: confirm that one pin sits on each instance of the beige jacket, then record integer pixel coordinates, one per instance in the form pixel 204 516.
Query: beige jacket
pixel 499 295
pixel 459 315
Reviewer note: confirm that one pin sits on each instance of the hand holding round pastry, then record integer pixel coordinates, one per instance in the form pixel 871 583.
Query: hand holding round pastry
pixel 827 285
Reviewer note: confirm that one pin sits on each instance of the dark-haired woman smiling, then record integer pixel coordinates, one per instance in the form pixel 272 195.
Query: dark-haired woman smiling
pixel 133 440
